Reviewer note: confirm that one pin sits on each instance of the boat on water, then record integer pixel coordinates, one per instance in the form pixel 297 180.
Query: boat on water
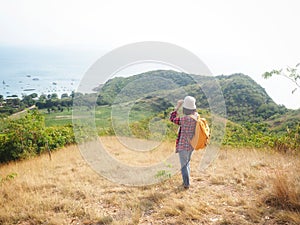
pixel 29 89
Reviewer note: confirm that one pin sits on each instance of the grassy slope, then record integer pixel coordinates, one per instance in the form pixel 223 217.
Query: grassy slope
pixel 240 187
pixel 290 119
pixel 102 116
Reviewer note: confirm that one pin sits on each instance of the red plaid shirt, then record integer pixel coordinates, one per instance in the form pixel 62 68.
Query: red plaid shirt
pixel 186 131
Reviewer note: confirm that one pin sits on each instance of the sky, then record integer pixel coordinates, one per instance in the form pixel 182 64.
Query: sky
pixel 231 36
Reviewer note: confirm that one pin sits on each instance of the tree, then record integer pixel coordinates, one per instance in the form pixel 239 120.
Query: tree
pixel 34 95
pixel 72 95
pixel 290 73
pixel 13 101
pixel 24 137
pixel 64 95
pixel 42 98
pixel 54 96
pixel 28 100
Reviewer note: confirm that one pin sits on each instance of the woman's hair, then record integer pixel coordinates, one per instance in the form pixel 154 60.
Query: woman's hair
pixel 188 111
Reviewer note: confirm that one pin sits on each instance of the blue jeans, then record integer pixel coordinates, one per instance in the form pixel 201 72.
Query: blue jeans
pixel 185 157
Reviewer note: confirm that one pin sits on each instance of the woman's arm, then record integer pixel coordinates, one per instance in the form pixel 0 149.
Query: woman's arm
pixel 173 116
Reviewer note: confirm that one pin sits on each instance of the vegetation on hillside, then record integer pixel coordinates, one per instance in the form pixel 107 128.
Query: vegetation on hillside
pixel 254 120
pixel 245 100
pixel 51 102
pixel 27 136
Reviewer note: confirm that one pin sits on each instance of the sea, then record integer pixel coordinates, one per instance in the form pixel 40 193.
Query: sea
pixel 27 70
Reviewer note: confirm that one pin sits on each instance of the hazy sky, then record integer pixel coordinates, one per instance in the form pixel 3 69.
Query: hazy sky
pixel 232 36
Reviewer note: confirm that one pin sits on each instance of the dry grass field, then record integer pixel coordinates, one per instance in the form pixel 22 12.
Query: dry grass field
pixel 242 186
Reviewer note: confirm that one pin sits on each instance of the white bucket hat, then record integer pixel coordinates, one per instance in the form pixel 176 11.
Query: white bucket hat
pixel 189 102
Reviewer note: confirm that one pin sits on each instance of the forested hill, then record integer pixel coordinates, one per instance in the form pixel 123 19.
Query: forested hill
pixel 245 99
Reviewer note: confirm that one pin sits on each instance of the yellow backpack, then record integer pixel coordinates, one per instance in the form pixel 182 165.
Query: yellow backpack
pixel 202 133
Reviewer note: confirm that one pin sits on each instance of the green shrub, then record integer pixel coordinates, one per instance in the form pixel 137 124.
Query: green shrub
pixel 22 137
pixel 289 141
pixel 27 136
pixel 59 136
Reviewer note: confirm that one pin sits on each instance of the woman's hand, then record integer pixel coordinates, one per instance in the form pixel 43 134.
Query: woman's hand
pixel 179 104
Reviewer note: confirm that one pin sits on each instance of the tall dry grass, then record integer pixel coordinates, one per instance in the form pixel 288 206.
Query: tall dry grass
pixel 240 187
pixel 284 193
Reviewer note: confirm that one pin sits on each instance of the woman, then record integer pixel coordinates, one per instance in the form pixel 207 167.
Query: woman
pixel 185 134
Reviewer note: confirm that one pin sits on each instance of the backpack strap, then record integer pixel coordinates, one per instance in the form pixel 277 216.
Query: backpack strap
pixel 195 117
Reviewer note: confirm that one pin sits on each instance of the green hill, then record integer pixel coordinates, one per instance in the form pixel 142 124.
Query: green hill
pixel 245 100
pixel 143 85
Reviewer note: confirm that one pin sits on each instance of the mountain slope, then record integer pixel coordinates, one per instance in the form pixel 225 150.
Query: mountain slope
pixel 141 84
pixel 245 100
